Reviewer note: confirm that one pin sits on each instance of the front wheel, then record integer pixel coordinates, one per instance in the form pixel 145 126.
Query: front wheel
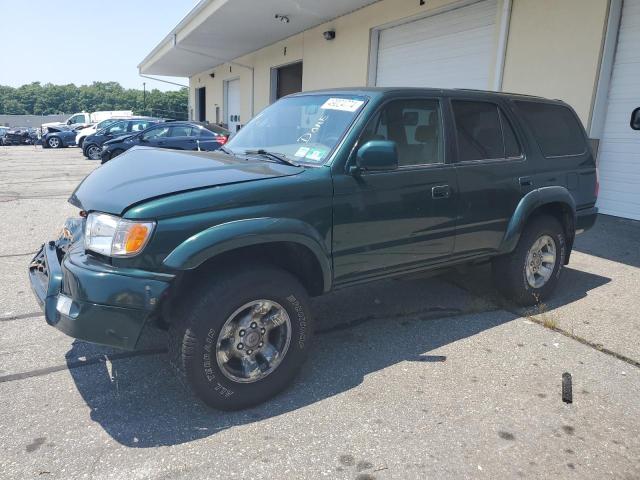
pixel 54 142
pixel 529 274
pixel 92 152
pixel 243 337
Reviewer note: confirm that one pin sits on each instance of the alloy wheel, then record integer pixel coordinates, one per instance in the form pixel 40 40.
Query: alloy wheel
pixel 253 341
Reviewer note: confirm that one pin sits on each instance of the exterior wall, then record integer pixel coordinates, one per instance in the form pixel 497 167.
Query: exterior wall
pixel 553 50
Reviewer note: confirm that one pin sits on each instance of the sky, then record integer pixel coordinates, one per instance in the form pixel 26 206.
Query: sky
pixel 82 42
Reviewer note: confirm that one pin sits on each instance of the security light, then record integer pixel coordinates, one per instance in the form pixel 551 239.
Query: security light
pixel 329 34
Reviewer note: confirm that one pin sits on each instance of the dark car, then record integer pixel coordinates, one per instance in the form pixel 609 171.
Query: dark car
pixel 320 191
pixel 59 137
pixel 174 135
pixel 21 136
pixel 92 145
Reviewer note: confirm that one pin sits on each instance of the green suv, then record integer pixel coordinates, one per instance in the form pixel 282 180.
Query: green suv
pixel 319 191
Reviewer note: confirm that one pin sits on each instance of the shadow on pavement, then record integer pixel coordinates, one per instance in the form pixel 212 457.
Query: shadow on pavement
pixel 612 238
pixel 140 403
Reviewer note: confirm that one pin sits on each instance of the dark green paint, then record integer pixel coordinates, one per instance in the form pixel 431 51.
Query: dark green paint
pixel 359 223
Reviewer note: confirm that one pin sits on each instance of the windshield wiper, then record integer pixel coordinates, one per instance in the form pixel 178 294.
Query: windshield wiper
pixel 225 150
pixel 275 156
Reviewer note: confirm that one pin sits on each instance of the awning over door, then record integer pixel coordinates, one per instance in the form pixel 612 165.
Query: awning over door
pixel 216 31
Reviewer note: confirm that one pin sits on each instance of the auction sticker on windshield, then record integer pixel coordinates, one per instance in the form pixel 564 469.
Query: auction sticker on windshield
pixel 302 151
pixel 344 104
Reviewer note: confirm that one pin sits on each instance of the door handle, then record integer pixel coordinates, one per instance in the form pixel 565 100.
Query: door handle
pixel 440 191
pixel 525 181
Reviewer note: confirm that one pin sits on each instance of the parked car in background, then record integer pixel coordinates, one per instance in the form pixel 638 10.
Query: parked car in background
pixel 86 119
pixel 58 137
pixel 85 132
pixel 21 136
pixel 92 145
pixel 173 135
pixel 320 191
pixel 3 132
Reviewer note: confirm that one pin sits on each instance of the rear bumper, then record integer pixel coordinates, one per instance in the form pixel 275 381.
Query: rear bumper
pixel 586 218
pixel 92 301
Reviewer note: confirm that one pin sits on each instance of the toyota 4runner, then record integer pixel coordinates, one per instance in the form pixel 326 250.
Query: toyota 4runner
pixel 319 191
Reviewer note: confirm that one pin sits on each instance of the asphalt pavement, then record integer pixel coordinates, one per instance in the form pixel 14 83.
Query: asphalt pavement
pixel 411 378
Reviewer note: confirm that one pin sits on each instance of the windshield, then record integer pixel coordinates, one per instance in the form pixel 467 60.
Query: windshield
pixel 304 128
pixel 105 123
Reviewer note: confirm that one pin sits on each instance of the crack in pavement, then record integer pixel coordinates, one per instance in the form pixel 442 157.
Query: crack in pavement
pixel 80 363
pixel 508 307
pixel 22 316
pixel 431 313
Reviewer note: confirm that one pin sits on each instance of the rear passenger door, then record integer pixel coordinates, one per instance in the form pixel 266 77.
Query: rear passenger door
pixel 181 138
pixel 492 174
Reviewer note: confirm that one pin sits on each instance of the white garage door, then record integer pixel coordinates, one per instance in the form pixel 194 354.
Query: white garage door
pixel 619 156
pixel 454 49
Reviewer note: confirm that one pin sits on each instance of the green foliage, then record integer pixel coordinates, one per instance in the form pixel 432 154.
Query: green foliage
pixel 38 99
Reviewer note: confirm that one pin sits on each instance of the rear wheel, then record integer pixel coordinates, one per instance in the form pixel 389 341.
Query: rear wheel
pixel 529 274
pixel 54 142
pixel 243 336
pixel 92 152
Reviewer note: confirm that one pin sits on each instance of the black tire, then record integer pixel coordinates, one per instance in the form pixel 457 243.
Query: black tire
pixel 87 148
pixel 81 142
pixel 54 142
pixel 510 271
pixel 194 336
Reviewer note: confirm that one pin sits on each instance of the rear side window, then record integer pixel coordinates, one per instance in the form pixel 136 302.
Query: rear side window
pixel 483 132
pixel 555 128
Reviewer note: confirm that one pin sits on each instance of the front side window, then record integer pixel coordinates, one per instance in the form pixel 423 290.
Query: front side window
pixel 118 127
pixel 414 125
pixel 304 128
pixel 76 119
pixel 483 132
pixel 555 127
pixel 154 133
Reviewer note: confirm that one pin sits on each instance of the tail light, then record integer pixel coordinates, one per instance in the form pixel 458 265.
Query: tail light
pixel 222 139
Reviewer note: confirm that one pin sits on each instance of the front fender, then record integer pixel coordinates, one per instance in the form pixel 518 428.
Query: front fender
pixel 243 233
pixel 529 203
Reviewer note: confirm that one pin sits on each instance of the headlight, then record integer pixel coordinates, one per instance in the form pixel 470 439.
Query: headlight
pixel 114 236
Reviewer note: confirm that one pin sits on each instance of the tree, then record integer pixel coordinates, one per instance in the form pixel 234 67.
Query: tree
pixel 38 99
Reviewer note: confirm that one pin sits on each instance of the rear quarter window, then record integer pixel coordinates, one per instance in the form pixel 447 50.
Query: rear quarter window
pixel 555 127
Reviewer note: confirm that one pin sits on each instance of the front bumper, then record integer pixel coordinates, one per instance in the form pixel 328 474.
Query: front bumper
pixel 93 301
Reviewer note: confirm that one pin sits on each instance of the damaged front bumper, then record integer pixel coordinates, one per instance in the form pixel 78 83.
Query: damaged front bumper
pixel 91 300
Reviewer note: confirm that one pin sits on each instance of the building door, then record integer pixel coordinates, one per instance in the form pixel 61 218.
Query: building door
pixel 453 49
pixel 286 80
pixel 233 104
pixel 619 151
pixel 201 110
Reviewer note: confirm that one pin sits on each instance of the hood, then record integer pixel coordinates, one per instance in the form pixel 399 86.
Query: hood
pixel 143 173
pixel 120 139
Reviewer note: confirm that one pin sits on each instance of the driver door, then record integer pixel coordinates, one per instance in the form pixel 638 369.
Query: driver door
pixel 402 219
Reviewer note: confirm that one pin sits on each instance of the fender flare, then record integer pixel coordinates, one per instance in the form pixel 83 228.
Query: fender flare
pixel 228 236
pixel 529 203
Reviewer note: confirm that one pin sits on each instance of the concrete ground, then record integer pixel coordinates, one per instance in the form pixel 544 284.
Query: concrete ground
pixel 410 378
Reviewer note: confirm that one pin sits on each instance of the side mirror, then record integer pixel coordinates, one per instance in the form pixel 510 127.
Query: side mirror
pixel 635 119
pixel 377 155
